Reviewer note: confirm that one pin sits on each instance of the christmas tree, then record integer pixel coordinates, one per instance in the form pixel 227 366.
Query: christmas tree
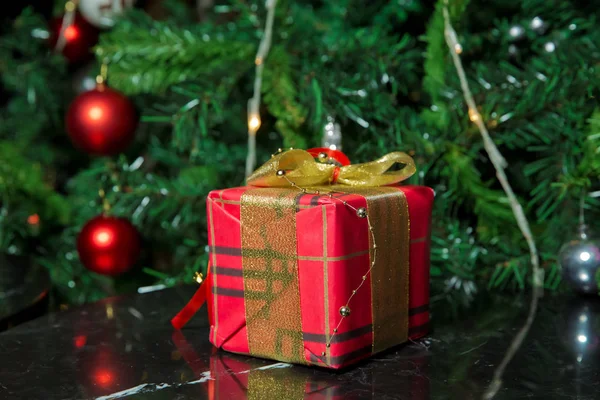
pixel 386 74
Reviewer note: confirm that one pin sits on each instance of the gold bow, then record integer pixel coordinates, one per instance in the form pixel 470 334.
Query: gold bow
pixel 301 168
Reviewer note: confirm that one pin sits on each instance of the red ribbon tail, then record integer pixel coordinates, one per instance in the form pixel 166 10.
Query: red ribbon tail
pixel 191 308
pixel 336 175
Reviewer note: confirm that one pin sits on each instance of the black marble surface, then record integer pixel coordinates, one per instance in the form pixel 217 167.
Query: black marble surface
pixel 24 288
pixel 125 348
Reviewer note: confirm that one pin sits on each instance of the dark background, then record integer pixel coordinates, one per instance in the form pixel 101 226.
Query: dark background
pixel 13 8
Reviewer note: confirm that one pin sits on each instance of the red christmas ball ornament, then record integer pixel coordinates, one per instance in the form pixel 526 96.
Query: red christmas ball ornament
pixel 102 121
pixel 79 38
pixel 108 245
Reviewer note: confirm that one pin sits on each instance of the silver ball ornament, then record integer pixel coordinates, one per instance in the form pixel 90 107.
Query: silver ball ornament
pixel 102 13
pixel 580 261
pixel 332 134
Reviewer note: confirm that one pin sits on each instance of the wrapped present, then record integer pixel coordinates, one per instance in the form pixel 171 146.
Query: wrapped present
pixel 317 263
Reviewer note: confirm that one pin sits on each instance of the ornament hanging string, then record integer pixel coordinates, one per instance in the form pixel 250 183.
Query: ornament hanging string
pixel 582 210
pixel 499 164
pixel 67 22
pixel 103 75
pixel 105 203
pixel 254 102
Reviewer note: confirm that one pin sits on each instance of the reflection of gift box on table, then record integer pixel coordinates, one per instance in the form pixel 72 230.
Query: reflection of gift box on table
pixel 283 263
pixel 238 377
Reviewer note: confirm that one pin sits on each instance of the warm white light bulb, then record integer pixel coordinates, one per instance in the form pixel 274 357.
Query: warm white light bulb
pixel 474 115
pixel 254 123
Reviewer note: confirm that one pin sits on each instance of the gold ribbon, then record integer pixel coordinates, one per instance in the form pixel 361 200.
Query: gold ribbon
pixel 270 270
pixel 301 168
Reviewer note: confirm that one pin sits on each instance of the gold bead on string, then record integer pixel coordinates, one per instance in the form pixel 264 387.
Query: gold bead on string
pixel 345 311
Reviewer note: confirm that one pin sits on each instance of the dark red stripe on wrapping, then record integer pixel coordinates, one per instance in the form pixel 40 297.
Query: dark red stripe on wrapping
pixel 229 251
pixel 351 356
pixel 314 199
pixel 298 201
pixel 419 329
pixel 340 337
pixel 228 292
pixel 418 310
pixel 237 252
pixel 337 361
pixel 228 271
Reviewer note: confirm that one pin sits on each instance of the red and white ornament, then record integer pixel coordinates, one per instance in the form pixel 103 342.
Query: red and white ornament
pixel 102 13
pixel 102 121
pixel 73 36
pixel 108 245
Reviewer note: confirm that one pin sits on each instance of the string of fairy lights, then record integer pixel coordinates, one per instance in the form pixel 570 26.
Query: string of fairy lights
pixel 67 22
pixel 499 164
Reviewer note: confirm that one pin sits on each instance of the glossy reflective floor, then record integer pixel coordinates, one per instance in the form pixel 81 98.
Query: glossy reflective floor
pixel 125 348
pixel 24 288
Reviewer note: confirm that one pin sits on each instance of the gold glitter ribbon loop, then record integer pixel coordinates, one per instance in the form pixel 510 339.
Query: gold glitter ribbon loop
pixel 302 169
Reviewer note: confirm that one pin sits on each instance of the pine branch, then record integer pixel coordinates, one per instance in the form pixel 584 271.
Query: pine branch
pixel 143 63
pixel 281 99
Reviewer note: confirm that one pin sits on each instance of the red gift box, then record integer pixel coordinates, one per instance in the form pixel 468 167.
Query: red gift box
pixel 283 263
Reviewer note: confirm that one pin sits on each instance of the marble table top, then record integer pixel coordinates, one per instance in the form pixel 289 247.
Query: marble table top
pixel 124 347
pixel 24 287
